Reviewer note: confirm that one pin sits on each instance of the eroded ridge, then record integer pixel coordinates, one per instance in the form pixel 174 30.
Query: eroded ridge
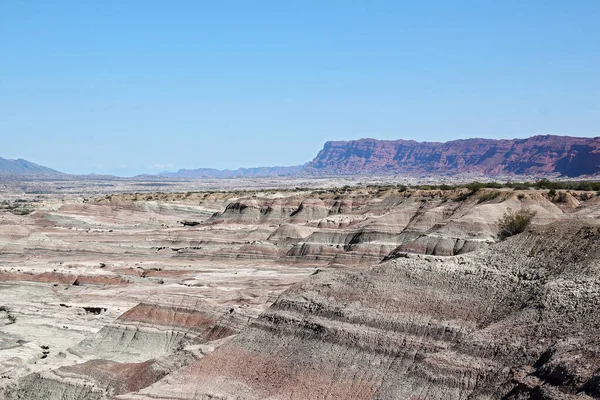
pixel 517 321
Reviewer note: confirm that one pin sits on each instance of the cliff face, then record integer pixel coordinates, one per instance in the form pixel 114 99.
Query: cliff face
pixel 561 155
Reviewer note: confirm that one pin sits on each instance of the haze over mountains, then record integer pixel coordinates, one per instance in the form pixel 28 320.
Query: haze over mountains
pixel 543 155
pixel 240 172
pixel 21 166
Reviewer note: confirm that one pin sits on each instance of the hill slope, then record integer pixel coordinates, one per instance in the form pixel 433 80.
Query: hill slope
pixel 537 155
pixel 517 321
pixel 21 166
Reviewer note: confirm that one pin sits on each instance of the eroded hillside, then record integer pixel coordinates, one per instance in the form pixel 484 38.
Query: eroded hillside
pixel 125 295
pixel 516 321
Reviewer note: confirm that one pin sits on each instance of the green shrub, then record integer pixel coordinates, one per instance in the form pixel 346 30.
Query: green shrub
pixel 488 196
pixel 475 186
pixel 562 197
pixel 513 223
pixel 446 187
pixel 585 196
pixel 464 196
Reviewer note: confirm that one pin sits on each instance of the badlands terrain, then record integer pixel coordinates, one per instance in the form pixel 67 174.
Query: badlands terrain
pixel 142 290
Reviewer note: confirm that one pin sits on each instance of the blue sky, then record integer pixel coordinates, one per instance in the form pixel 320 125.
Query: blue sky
pixel 128 87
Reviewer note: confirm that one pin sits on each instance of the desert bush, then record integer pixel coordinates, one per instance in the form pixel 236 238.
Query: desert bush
pixel 585 196
pixel 464 196
pixel 568 185
pixel 488 196
pixel 516 222
pixel 446 187
pixel 519 185
pixel 475 186
pixel 562 197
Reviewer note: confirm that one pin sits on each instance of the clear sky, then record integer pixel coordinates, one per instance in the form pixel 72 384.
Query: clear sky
pixel 128 87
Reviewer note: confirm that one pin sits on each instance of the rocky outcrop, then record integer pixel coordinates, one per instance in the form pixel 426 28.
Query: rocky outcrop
pixel 92 380
pixel 537 155
pixel 143 345
pixel 252 210
pixel 148 331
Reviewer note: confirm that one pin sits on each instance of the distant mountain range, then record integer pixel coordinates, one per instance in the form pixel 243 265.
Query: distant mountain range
pixel 537 155
pixel 545 155
pixel 24 167
pixel 240 172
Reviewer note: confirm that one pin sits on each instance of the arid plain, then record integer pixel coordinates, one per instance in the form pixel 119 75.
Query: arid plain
pixel 321 289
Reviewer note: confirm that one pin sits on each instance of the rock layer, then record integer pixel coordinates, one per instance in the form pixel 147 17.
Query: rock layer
pixel 517 321
pixel 537 155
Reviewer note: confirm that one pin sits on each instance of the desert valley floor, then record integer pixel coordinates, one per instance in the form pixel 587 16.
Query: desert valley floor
pixel 367 292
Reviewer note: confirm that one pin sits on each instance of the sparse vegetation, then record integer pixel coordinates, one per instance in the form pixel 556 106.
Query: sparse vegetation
pixel 513 223
pixel 588 186
pixel 561 197
pixel 464 196
pixel 541 184
pixel 491 195
pixel 585 196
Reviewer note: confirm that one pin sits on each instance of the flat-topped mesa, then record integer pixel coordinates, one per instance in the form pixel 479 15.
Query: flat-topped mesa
pixel 537 155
